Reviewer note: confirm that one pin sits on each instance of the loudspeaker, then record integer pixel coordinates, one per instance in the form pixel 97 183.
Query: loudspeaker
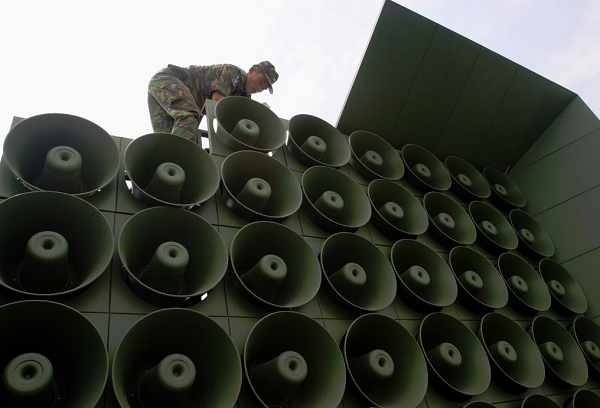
pixel 396 213
pixel 458 365
pixel 480 286
pixel 333 201
pixel 450 225
pixel 567 295
pixel 386 367
pixel 357 274
pixel 373 157
pixel 534 241
pixel 52 355
pixel 171 257
pixel 59 152
pixel 564 360
pixel 315 142
pixel 244 124
pixel 516 362
pixel 538 401
pixel 587 334
pixel 176 358
pixel 528 292
pixel 479 404
pixel 425 281
pixel 494 233
pixel 258 187
pixel 506 195
pixel 290 360
pixel 467 182
pixel 273 266
pixel 170 170
pixel 584 399
pixel 56 245
pixel 425 171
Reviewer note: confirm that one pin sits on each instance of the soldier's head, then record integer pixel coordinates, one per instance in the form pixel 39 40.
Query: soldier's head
pixel 260 77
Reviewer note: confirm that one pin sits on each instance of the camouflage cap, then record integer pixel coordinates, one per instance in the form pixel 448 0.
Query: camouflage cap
pixel 269 70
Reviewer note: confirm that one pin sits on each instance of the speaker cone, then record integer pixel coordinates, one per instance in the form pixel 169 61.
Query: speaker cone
pixel 450 225
pixel 373 157
pixel 587 334
pixel 425 171
pixel 538 401
pixel 467 182
pixel 534 241
pixel 567 295
pixel 506 195
pixel 584 399
pixel 494 232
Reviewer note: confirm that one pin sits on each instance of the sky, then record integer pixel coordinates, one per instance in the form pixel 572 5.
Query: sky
pixel 94 59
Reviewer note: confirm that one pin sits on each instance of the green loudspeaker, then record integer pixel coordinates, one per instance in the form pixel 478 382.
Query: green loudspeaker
pixel 480 286
pixel 170 170
pixel 273 266
pixel 450 225
pixel 385 365
pixel 425 171
pixel 56 245
pixel 567 295
pixel 516 362
pixel 467 182
pixel 373 157
pixel 458 365
pixel 171 257
pixel 534 241
pixel 176 358
pixel 290 360
pixel 587 334
pixel 258 187
pixel 538 401
pixel 357 274
pixel 244 124
pixel 479 404
pixel 528 292
pixel 333 201
pixel 584 399
pixel 61 152
pixel 52 356
pixel 506 195
pixel 396 213
pixel 494 232
pixel 315 142
pixel 426 282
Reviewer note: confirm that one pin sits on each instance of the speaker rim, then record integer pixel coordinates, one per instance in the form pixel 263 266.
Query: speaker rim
pixel 523 246
pixel 439 235
pixel 574 330
pixel 501 202
pixel 365 171
pixel 528 400
pixel 462 192
pixel 558 304
pixel 484 240
pixel 414 180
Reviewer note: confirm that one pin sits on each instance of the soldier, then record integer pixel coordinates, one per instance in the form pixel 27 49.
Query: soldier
pixel 176 95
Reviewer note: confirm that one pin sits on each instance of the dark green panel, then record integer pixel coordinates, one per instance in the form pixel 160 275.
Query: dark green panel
pixel 391 61
pixel 582 268
pixel 573 225
pixel 512 121
pixel 477 105
pixel 561 175
pixel 437 87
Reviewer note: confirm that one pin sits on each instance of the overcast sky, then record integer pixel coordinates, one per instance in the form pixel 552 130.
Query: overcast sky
pixel 94 59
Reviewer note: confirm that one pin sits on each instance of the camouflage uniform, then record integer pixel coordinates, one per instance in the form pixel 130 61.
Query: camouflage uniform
pixel 176 95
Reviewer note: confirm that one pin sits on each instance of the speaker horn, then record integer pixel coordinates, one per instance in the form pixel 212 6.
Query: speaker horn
pixel 333 201
pixel 171 257
pixel 291 360
pixel 56 245
pixel 494 233
pixel 425 171
pixel 516 362
pixel 584 399
pixel 244 124
pixel 528 292
pixel 467 182
pixel 480 286
pixel 425 281
pixel 538 401
pixel 458 365
pixel 567 295
pixel 315 142
pixel 396 213
pixel 273 266
pixel 373 157
pixel 169 170
pixel 357 274
pixel 385 364
pixel 534 241
pixel 478 404
pixel 59 152
pixel 587 334
pixel 506 195
pixel 176 358
pixel 450 225
pixel 564 360
pixel 52 355
pixel 259 188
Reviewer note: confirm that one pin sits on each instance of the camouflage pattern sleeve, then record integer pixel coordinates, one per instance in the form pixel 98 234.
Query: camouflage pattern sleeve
pixel 227 79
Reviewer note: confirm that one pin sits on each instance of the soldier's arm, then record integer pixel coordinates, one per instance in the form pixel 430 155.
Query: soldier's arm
pixel 217 96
